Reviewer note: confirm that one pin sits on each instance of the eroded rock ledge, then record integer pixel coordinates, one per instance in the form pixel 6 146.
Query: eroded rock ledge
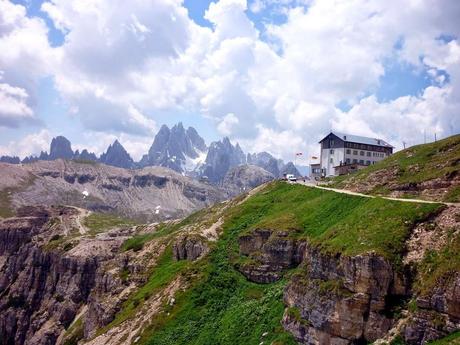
pixel 338 299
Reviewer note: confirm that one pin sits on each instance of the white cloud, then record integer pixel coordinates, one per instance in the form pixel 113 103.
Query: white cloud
pixel 257 6
pixel 279 143
pixel 106 50
pixel 30 144
pixel 13 106
pixel 227 124
pixel 119 65
pixel 98 142
pixel 405 119
pixel 25 58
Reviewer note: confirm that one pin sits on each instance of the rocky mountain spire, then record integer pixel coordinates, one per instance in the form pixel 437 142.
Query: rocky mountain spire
pixel 116 155
pixel 60 148
pixel 222 156
pixel 176 148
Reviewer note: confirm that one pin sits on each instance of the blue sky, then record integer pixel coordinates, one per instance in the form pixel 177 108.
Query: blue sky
pixel 273 75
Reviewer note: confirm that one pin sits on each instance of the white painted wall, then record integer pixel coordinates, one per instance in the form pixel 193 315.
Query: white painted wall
pixel 337 157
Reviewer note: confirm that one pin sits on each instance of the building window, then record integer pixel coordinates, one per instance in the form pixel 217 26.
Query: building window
pixel 355 161
pixel 348 152
pixel 348 160
pixel 361 153
pixel 368 162
pixel 355 153
pixel 331 152
pixel 361 162
pixel 368 154
pixel 332 160
pixel 331 143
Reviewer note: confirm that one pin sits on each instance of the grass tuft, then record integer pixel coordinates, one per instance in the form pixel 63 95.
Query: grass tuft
pixel 98 222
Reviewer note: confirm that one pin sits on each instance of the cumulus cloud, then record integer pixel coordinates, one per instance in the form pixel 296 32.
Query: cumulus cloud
pixel 405 119
pixel 106 50
pixel 225 127
pixel 30 144
pixel 25 58
pixel 278 90
pixel 98 142
pixel 13 106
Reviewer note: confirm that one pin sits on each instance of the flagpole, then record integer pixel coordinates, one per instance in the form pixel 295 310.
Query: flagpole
pixel 295 159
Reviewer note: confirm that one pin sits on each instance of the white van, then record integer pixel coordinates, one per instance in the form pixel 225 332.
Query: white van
pixel 291 177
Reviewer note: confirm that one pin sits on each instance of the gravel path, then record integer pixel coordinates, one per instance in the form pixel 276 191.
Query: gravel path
pixel 349 192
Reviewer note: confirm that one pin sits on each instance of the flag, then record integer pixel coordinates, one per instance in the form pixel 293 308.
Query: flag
pixel 298 154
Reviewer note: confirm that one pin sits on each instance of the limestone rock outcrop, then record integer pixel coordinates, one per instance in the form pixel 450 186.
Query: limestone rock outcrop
pixel 190 247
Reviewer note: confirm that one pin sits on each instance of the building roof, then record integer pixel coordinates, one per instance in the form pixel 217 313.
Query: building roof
pixel 359 139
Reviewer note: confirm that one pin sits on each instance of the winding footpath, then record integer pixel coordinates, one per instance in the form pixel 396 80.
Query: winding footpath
pixel 349 192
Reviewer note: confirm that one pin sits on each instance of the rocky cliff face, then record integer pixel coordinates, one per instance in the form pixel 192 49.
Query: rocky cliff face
pixel 190 247
pixel 152 193
pixel 338 299
pixel 61 282
pixel 222 156
pixel 244 178
pixel 436 314
pixel 41 290
pixel 52 271
pixel 342 300
pixel 60 148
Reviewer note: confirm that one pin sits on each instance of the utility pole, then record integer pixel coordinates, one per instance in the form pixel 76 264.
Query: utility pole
pixel 404 144
pixel 424 136
pixel 434 136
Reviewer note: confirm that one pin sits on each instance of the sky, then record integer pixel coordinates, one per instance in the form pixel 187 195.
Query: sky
pixel 273 75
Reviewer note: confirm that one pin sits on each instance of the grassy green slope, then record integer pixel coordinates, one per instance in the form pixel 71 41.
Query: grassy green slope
pixel 439 264
pixel 222 307
pixel 414 165
pixel 98 222
pixel 452 339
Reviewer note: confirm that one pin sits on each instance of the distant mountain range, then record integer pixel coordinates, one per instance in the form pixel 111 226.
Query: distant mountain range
pixel 182 150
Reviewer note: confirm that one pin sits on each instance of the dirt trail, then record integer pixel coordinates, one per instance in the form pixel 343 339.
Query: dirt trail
pixel 349 192
pixel 82 214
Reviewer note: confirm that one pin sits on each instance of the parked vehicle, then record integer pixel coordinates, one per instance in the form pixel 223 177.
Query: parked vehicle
pixel 291 177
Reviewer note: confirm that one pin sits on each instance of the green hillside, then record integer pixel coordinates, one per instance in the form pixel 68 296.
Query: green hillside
pixel 221 306
pixel 430 171
pixel 453 339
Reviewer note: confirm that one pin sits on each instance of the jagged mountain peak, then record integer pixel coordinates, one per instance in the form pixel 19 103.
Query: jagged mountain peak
pixel 176 148
pixel 117 155
pixel 60 148
pixel 179 126
pixel 221 157
pixel 10 159
pixel 196 139
pixel 117 144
